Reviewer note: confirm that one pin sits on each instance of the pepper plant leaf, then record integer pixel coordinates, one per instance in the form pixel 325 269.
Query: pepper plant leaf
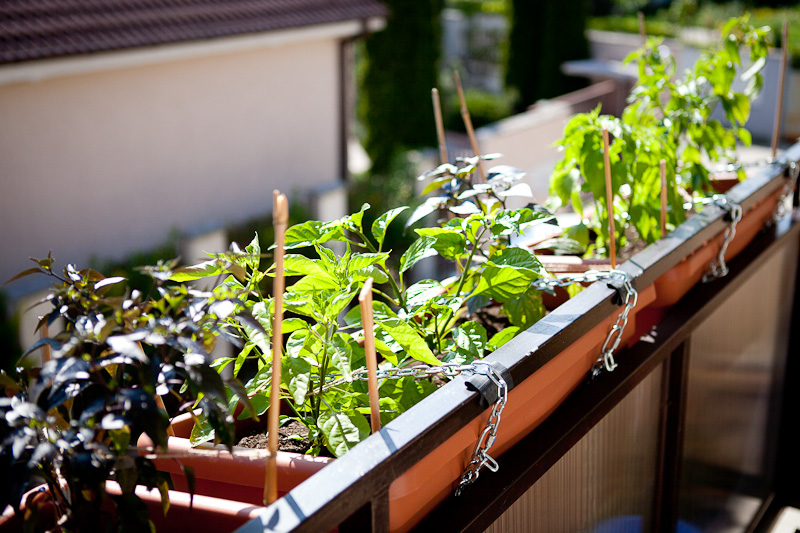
pixel 381 224
pixel 419 250
pixel 342 431
pixel 414 345
pixel 296 373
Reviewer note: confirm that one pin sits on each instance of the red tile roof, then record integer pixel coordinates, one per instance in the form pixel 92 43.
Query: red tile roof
pixel 36 29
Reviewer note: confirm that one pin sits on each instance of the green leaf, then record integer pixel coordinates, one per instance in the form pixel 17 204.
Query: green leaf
pixel 470 338
pixel 296 374
pixel 361 261
pixel 419 250
pixel 517 258
pixel 435 184
pixel 202 270
pixel 755 68
pixel 313 284
pixel 355 220
pixel 339 352
pixel 501 337
pixel 303 234
pixel 562 246
pixel 253 253
pixel 423 291
pixel 300 265
pixel 414 345
pixel 429 206
pixel 503 282
pixel 293 324
pixel 339 302
pixel 745 137
pixel 342 431
pixel 373 271
pixel 450 243
pixel 381 224
pixel 525 310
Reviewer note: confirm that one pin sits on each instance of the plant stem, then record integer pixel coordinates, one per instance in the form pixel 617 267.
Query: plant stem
pixel 400 298
pixel 322 371
pixel 465 272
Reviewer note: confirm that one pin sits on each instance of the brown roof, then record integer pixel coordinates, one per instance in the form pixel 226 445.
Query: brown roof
pixel 36 29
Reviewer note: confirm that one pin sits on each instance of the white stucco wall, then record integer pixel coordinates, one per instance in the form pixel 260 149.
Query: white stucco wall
pixel 101 164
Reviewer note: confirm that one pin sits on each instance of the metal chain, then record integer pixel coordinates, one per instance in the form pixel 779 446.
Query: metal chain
pixel 481 457
pixel 733 167
pixel 606 358
pixel 788 190
pixel 718 268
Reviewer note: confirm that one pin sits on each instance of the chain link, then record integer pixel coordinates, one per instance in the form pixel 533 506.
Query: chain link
pixel 614 338
pixel 718 268
pixel 733 167
pixel 788 190
pixel 481 457
pixel 606 358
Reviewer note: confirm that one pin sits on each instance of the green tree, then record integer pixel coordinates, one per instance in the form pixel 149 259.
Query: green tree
pixel 400 72
pixel 544 34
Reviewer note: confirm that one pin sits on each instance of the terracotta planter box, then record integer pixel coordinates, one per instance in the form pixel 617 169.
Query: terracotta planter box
pixel 238 476
pixel 428 482
pixel 203 513
pixel 676 282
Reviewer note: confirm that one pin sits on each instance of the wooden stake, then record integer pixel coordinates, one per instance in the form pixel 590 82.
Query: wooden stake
pixel 280 219
pixel 46 348
pixel 160 404
pixel 779 109
pixel 365 301
pixel 437 115
pixel 663 197
pixel 468 123
pixel 642 31
pixel 612 234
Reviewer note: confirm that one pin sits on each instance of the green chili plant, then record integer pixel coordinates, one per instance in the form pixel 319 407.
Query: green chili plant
pixel 417 323
pixel 667 118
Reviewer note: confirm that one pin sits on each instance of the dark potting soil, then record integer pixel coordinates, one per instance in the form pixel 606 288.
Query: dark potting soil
pixel 257 438
pixel 491 319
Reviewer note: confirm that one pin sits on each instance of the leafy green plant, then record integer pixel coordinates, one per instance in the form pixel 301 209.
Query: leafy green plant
pixel 72 422
pixel 420 323
pixel 684 106
pixel 635 153
pixel 668 118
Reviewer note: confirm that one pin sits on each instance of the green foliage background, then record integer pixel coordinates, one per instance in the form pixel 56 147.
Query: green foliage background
pixel 544 34
pixel 401 69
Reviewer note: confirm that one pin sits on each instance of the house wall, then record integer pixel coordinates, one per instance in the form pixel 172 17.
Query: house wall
pixel 102 164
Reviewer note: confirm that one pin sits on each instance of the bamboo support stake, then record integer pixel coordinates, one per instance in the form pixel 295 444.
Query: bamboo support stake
pixel 365 301
pixel 663 197
pixel 612 234
pixel 160 404
pixel 280 220
pixel 779 108
pixel 437 115
pixel 468 123
pixel 642 31
pixel 46 348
